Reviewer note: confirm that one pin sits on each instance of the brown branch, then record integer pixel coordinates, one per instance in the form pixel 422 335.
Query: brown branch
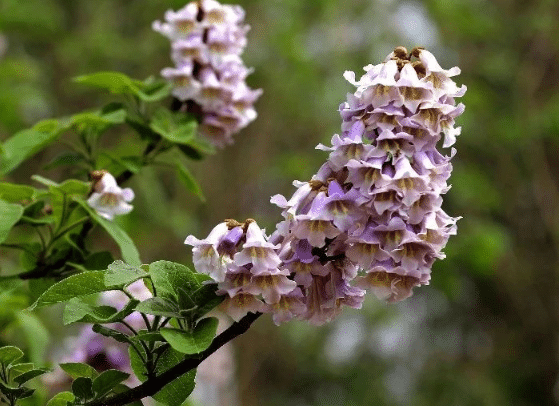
pixel 153 385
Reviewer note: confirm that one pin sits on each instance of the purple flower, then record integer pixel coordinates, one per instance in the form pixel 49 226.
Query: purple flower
pixel 371 217
pixel 207 39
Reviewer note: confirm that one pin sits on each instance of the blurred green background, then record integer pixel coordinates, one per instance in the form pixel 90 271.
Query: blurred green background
pixel 486 331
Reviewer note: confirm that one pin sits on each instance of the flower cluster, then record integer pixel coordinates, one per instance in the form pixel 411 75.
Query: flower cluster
pixel 371 217
pixel 207 41
pixel 107 198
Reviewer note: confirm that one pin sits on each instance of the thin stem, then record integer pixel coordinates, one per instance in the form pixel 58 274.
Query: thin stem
pixel 153 385
pixel 129 327
pixel 42 238
pixel 146 320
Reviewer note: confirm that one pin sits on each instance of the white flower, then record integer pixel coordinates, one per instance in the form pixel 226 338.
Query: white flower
pixel 107 198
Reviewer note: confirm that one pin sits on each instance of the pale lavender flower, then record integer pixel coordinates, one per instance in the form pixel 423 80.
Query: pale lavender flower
pixel 207 39
pixel 107 198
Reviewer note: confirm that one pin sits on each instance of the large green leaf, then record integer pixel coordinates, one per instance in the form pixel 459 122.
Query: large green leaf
pixel 192 342
pixel 82 388
pixel 9 354
pixel 77 369
pixel 168 277
pixel 77 310
pixel 120 273
pixel 82 284
pixel 175 392
pixel 10 213
pixel 127 248
pixel 107 380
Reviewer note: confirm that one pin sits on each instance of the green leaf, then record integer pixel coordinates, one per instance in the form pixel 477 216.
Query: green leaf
pixel 120 273
pixel 14 193
pixel 9 354
pixel 192 342
pixel 82 388
pixel 10 214
pixel 18 369
pixel 173 126
pixel 158 306
pixel 74 187
pixel 206 299
pixel 149 336
pixel 114 113
pixel 107 380
pixel 107 332
pixel 98 261
pixel 18 393
pixel 196 148
pixel 175 392
pixel 154 89
pixel 62 399
pixel 128 249
pixel 168 277
pixel 82 284
pixel 114 82
pixel 77 310
pixel 76 370
pixel 27 143
pixel 189 181
pixel 26 376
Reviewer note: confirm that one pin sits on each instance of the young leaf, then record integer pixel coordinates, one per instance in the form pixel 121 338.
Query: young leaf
pixel 18 369
pixel 76 370
pixel 107 332
pixel 175 127
pixel 114 82
pixel 196 148
pixel 189 181
pixel 192 342
pixel 158 306
pixel 10 214
pixel 175 392
pixel 128 249
pixel 77 310
pixel 26 376
pixel 61 399
pixel 82 284
pixel 9 354
pixel 14 193
pixel 154 89
pixel 27 143
pixel 107 380
pixel 120 273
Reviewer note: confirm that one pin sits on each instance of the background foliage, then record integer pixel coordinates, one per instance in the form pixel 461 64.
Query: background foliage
pixel 486 331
